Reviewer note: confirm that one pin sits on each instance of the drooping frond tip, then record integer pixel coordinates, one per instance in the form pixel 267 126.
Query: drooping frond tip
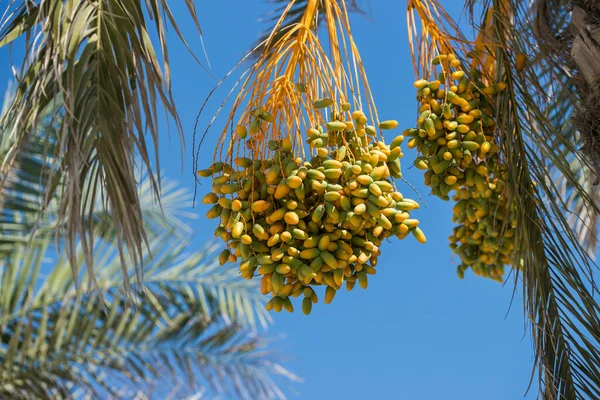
pixel 98 59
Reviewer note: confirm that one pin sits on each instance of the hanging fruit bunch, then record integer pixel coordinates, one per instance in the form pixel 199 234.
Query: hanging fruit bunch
pixel 455 134
pixel 302 223
pixel 459 151
pixel 484 236
pixel 305 193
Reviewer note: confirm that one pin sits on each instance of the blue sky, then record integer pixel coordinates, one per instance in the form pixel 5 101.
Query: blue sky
pixel 417 332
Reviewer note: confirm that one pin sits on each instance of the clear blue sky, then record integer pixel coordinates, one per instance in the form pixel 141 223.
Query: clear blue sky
pixel 417 332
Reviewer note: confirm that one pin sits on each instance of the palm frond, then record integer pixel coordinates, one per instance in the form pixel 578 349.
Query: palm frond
pixel 23 199
pixel 551 29
pixel 549 24
pixel 545 181
pixel 97 56
pixel 188 320
pixel 582 218
pixel 558 274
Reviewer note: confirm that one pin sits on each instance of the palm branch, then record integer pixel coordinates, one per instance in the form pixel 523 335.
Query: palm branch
pixel 187 321
pixel 97 56
pixel 557 272
pixel 21 200
pixel 27 217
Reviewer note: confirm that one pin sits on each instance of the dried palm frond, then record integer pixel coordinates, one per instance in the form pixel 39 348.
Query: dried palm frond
pixel 98 58
pixel 585 51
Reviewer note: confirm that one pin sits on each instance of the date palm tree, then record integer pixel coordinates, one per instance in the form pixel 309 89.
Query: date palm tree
pixel 547 122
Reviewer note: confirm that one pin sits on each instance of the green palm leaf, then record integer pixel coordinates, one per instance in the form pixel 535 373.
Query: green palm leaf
pixel 27 217
pixel 555 207
pixel 557 272
pixel 188 321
